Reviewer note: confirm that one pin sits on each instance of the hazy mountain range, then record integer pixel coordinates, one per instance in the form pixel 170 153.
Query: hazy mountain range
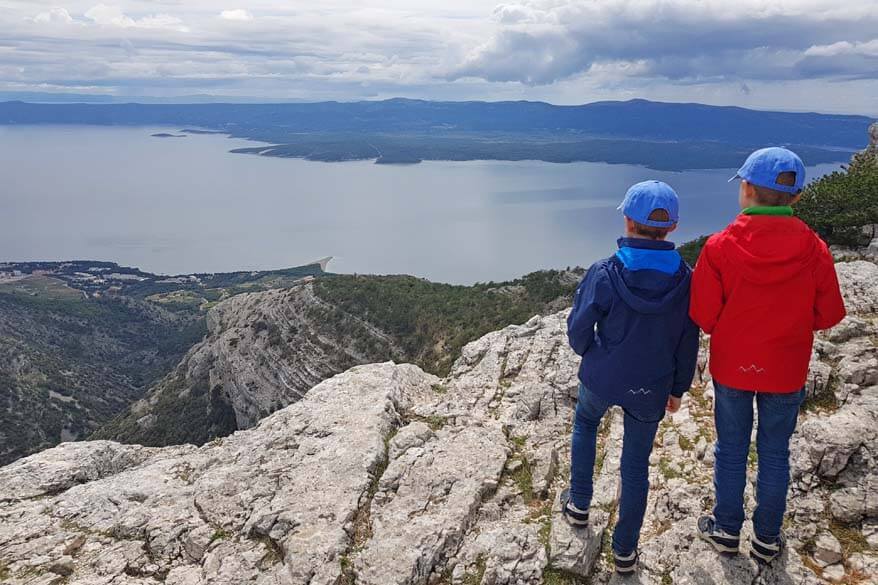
pixel 660 135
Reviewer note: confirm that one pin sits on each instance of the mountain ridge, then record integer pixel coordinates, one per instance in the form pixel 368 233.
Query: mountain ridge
pixel 401 114
pixel 664 136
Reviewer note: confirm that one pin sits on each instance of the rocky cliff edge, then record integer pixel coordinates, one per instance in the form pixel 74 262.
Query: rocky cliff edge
pixel 386 475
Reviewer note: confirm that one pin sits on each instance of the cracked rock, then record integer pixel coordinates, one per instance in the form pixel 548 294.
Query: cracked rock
pixel 827 549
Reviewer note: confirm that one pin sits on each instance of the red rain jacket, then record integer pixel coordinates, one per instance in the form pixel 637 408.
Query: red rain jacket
pixel 761 288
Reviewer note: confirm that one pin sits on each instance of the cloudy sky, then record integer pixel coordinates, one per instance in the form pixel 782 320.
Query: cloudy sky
pixel 791 54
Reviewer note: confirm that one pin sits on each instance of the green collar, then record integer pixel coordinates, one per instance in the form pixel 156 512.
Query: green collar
pixel 785 210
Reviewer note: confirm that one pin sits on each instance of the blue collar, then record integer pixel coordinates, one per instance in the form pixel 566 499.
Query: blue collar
pixel 645 244
pixel 644 254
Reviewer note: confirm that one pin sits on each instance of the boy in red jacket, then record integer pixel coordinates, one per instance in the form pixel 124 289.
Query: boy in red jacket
pixel 761 288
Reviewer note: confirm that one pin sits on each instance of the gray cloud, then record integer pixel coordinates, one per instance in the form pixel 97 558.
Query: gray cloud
pixel 543 41
pixel 557 50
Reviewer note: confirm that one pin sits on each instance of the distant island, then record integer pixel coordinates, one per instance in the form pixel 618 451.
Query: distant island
pixel 662 136
pixel 166 135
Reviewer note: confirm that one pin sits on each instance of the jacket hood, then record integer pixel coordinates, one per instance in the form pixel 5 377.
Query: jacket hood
pixel 649 291
pixel 769 249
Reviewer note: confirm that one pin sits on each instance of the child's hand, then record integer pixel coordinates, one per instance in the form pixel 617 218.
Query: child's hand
pixel 673 404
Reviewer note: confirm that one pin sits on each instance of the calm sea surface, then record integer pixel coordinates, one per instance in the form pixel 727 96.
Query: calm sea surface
pixel 179 205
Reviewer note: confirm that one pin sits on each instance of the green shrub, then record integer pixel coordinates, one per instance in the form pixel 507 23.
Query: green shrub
pixel 838 205
pixel 431 322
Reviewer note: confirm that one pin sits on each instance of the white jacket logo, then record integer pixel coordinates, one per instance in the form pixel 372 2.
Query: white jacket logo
pixel 753 369
pixel 643 391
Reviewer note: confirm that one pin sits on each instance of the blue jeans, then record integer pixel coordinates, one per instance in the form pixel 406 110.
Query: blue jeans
pixel 640 430
pixel 734 424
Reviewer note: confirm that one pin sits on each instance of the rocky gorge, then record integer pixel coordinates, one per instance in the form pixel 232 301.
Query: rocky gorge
pixel 387 475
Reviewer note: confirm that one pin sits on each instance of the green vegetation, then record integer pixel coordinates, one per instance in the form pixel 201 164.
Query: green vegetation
pixel 685 442
pixel 838 205
pixel 476 578
pixel 690 251
pixel 557 577
pixel 667 471
pixel 431 322
pixel 185 411
pixel 435 422
pixel 68 363
pixel 544 516
pixel 219 534
pixel 41 288
pixel 518 469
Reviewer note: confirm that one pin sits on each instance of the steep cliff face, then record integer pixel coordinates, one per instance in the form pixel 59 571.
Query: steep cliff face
pixel 263 351
pixel 388 475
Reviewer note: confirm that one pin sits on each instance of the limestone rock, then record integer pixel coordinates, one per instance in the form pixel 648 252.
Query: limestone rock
pixel 859 285
pixel 507 553
pixel 426 500
pixel 833 573
pixel 575 550
pixel 270 505
pixel 827 549
pixel 850 327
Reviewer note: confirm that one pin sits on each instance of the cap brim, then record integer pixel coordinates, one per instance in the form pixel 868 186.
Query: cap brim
pixel 733 178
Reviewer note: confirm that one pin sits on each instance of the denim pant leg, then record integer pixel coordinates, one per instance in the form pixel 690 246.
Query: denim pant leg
pixel 640 431
pixel 589 411
pixel 777 421
pixel 733 412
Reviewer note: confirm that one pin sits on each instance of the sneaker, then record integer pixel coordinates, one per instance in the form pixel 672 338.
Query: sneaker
pixel 721 540
pixel 764 550
pixel 574 516
pixel 625 565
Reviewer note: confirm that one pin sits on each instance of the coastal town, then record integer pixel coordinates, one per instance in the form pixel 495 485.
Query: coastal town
pixel 96 279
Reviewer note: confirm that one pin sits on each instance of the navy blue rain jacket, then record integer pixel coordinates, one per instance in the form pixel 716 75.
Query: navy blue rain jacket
pixel 630 323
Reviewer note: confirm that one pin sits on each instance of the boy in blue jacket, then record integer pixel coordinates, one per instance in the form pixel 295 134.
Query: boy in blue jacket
pixel 630 323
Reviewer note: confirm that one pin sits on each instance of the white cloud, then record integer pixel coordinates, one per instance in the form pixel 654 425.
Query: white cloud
pixel 869 48
pixel 105 15
pixel 236 14
pixel 108 15
pixel 54 15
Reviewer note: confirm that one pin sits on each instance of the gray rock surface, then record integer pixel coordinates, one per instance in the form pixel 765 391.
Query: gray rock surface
pixel 859 285
pixel 263 351
pixel 387 475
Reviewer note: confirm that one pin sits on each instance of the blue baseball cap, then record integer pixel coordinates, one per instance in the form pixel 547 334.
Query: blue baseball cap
pixel 644 198
pixel 764 167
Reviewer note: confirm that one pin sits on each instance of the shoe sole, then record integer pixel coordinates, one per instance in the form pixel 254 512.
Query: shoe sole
pixel 719 547
pixel 626 570
pixel 762 560
pixel 574 522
